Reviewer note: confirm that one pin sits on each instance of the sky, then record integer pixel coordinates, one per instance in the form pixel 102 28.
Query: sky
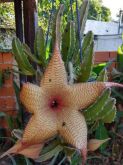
pixel 114 6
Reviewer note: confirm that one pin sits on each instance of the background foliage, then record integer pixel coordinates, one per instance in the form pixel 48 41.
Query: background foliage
pixel 99 12
pixel 99 115
pixel 7 15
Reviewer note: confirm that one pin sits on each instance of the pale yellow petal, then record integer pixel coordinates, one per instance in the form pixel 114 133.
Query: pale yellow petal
pixel 84 94
pixel 30 97
pixel 55 74
pixel 40 127
pixel 72 127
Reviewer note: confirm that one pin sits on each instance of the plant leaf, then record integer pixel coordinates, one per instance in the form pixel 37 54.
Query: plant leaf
pixel 86 65
pixel 76 159
pixel 50 154
pixel 94 144
pixel 52 162
pixel 65 42
pixel 92 112
pixel 109 117
pixel 102 110
pixel 103 76
pixel 68 42
pixel 108 113
pixel 120 59
pixel 101 133
pixel 72 41
pixel 27 51
pixel 58 23
pixel 21 57
pixel 12 159
pixel 83 15
pixel 88 39
pixel 10 121
pixel 39 47
pixel 17 133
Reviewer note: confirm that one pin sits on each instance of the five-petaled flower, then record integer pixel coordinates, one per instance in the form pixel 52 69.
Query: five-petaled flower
pixel 55 107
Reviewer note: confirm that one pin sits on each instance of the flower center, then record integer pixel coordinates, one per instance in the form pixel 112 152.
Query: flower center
pixel 54 104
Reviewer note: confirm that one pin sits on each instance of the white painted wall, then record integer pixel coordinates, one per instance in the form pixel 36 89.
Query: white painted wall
pixel 108 43
pixel 102 28
pixel 108 34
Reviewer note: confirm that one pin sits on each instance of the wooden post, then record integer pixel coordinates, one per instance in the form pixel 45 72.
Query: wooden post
pixel 19 34
pixel 30 25
pixel 18 19
pixel 19 27
pixel 30 21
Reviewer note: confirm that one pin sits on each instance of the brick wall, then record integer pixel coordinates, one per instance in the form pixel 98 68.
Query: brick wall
pixel 7 95
pixel 101 57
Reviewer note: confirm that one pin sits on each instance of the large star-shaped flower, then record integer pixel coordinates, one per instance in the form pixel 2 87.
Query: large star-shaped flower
pixel 55 108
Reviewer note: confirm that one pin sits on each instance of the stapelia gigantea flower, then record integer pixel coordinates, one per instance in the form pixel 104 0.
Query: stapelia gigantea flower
pixel 55 108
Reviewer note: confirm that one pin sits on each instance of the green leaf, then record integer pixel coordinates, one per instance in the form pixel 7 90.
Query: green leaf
pixel 102 110
pixel 76 159
pixel 29 66
pixel 108 113
pixel 102 133
pixel 50 146
pixel 32 57
pixel 12 160
pixel 10 121
pixel 86 65
pixel 52 162
pixel 72 41
pixel 119 51
pixel 39 47
pixel 53 33
pixel 28 162
pixel 69 151
pixel 21 57
pixel 65 42
pixel 17 133
pixel 103 76
pixel 92 112
pixel 68 42
pixel 88 39
pixel 18 51
pixel 50 154
pixel 20 110
pixel 98 67
pixel 83 15
pixel 62 161
pixel 58 24
pixel 108 118
pixel 120 59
